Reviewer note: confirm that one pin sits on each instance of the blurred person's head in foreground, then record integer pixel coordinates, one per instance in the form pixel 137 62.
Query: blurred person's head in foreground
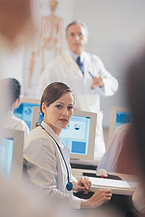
pixel 136 99
pixel 16 22
pixel 18 199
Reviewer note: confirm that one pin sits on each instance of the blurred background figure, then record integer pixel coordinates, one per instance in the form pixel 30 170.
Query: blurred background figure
pixel 13 88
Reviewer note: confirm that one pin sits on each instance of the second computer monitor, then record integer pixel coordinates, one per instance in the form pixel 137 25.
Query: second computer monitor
pixel 119 116
pixel 25 110
pixel 78 136
pixel 11 153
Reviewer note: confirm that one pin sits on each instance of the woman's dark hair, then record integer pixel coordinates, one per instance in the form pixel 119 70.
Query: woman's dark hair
pixel 53 92
pixel 13 88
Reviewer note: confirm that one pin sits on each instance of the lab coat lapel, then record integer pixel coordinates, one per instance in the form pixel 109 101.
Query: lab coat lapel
pixel 87 64
pixel 72 65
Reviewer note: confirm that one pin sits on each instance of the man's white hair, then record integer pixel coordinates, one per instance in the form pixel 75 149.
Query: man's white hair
pixel 77 22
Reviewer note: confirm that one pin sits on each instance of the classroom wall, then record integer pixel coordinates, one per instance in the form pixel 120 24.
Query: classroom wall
pixel 11 63
pixel 116 30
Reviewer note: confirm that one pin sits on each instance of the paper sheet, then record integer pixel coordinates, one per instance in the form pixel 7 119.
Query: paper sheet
pixel 112 183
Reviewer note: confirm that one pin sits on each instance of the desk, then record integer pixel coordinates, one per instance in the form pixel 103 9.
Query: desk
pixel 131 180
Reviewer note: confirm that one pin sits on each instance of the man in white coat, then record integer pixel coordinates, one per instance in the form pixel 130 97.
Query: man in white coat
pixel 85 74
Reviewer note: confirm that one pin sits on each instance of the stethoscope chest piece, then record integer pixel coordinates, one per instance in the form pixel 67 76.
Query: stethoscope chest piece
pixel 69 186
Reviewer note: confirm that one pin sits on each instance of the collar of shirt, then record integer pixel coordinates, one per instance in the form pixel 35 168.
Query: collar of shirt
pixel 10 113
pixel 75 56
pixel 52 133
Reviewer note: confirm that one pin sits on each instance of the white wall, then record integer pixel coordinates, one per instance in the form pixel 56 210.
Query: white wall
pixel 11 63
pixel 116 27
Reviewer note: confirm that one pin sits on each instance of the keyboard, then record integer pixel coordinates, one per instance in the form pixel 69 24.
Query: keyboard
pixel 81 166
pixel 108 177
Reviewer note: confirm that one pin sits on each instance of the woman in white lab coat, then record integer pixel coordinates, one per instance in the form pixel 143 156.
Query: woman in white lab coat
pixel 46 159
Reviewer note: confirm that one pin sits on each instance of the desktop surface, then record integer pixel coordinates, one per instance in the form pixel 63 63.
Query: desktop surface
pixel 115 177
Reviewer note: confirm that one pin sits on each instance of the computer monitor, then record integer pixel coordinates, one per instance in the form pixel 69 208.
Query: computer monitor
pixel 78 136
pixel 11 153
pixel 119 116
pixel 25 110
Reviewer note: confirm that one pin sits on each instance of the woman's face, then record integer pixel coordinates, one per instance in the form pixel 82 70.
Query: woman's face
pixel 57 115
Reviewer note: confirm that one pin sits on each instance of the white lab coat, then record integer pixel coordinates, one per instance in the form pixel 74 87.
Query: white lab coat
pixel 65 69
pixel 12 122
pixel 110 158
pixel 45 167
pixel 120 155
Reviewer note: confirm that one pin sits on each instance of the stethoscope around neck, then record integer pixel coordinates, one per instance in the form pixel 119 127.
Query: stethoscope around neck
pixel 69 185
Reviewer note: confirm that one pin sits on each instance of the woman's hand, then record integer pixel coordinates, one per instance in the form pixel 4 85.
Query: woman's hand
pixel 83 184
pixel 99 197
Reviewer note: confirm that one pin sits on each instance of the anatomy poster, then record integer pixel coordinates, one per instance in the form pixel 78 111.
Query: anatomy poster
pixel 48 44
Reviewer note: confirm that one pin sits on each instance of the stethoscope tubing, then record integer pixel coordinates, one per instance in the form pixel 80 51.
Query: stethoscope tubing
pixel 59 150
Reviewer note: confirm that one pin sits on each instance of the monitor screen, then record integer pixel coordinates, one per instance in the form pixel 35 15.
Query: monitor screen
pixel 122 117
pixel 76 135
pixel 11 153
pixel 119 116
pixel 25 110
pixel 79 135
pixel 6 155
